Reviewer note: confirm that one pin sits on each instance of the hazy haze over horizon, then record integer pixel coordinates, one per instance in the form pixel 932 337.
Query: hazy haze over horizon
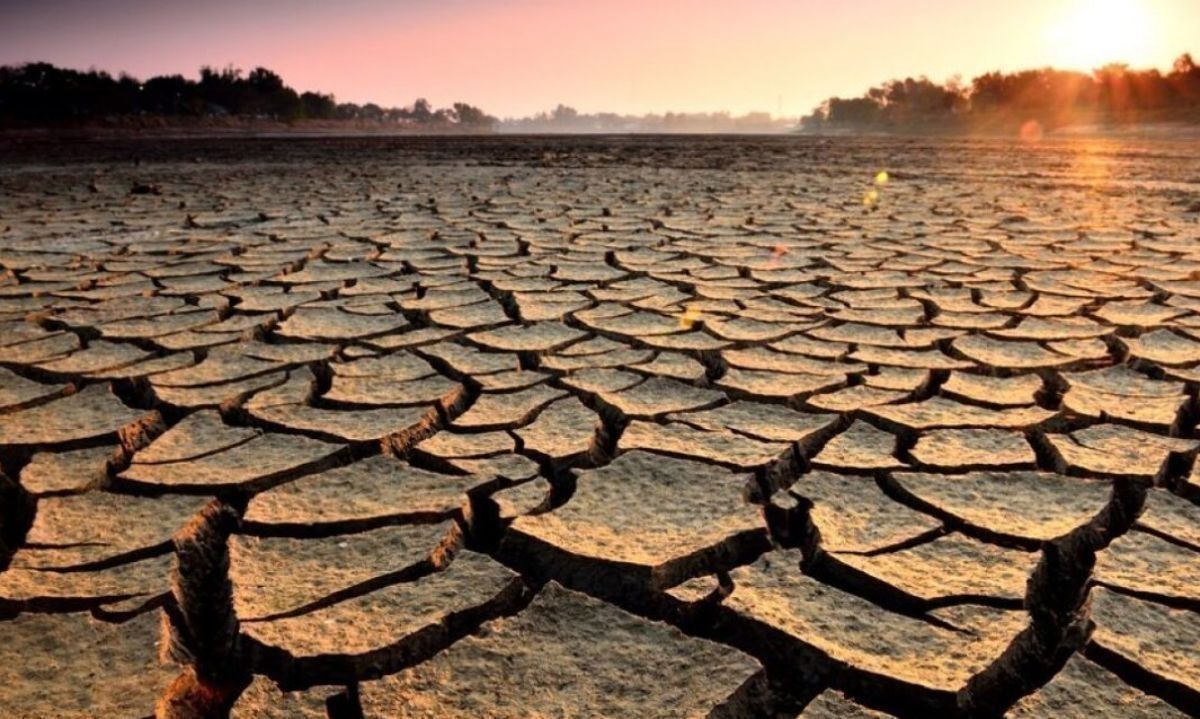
pixel 523 56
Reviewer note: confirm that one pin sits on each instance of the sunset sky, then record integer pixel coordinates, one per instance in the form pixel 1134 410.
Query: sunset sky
pixel 515 57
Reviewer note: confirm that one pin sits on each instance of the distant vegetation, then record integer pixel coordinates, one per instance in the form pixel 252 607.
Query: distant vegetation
pixel 40 94
pixel 1114 94
pixel 567 119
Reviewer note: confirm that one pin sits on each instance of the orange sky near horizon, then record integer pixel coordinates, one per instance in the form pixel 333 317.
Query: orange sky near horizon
pixel 517 57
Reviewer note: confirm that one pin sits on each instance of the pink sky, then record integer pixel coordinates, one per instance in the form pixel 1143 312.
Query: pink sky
pixel 515 57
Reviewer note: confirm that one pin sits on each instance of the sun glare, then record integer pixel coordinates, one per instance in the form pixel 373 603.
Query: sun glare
pixel 1092 33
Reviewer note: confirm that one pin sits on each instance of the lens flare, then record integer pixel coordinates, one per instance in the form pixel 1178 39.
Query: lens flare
pixel 1032 131
pixel 689 318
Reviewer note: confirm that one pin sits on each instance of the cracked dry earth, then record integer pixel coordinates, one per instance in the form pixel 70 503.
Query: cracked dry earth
pixel 599 428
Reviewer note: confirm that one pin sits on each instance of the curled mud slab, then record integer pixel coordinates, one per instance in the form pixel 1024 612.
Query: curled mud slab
pixel 574 427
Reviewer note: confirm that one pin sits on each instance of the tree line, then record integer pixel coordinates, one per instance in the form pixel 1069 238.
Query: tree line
pixel 1113 94
pixel 40 94
pixel 565 119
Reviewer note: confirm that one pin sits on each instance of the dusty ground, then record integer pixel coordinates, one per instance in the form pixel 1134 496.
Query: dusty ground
pixel 599 427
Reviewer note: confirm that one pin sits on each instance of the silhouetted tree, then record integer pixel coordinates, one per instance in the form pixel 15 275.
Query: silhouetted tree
pixel 858 111
pixel 371 111
pixel 472 117
pixel 171 95
pixel 318 106
pixel 421 112
pixel 562 113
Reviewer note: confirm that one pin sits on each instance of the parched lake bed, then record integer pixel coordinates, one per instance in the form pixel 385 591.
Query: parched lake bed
pixel 600 427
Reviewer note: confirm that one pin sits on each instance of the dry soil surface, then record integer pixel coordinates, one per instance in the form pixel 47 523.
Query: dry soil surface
pixel 599 427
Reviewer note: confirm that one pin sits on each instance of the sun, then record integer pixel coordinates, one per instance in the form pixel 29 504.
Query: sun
pixel 1092 33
